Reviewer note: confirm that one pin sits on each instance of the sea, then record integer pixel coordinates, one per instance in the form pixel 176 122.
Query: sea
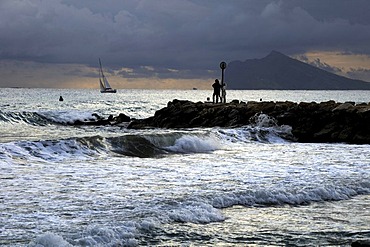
pixel 66 185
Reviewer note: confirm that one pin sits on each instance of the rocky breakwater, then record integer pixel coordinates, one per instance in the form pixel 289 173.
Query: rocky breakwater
pixel 311 122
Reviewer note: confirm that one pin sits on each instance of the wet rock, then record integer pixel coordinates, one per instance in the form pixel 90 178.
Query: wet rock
pixel 360 243
pixel 345 107
pixel 98 120
pixel 122 118
pixel 311 122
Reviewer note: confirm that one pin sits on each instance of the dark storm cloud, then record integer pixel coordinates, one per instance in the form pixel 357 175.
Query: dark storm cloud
pixel 177 35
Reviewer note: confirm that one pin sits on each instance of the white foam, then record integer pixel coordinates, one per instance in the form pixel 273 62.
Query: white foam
pixel 49 239
pixel 263 120
pixel 125 234
pixel 195 144
pixel 107 236
pixel 196 212
pixel 275 134
pixel 57 150
pixel 280 197
pixel 235 135
pixel 263 128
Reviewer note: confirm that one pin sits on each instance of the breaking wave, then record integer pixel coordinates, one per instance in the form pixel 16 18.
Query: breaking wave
pixel 143 146
pixel 42 118
pixel 289 197
pixel 262 128
pixel 31 118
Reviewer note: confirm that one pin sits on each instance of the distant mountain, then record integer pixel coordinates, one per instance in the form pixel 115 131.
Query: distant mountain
pixel 278 71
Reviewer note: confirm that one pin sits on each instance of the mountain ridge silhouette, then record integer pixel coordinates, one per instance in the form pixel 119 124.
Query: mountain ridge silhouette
pixel 281 72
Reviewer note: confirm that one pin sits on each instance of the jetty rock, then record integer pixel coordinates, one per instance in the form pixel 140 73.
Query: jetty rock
pixel 325 122
pixel 97 120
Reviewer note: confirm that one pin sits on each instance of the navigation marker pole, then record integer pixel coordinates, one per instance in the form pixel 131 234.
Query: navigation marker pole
pixel 223 85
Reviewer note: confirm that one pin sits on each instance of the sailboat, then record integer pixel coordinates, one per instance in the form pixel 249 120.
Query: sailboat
pixel 103 81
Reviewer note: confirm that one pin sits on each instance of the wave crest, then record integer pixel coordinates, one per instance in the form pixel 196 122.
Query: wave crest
pixel 286 197
pixel 43 118
pixel 143 146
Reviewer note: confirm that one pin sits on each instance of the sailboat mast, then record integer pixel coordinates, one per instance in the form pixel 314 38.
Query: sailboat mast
pixel 101 77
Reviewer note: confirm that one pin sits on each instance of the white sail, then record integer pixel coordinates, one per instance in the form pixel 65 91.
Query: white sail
pixel 101 85
pixel 106 83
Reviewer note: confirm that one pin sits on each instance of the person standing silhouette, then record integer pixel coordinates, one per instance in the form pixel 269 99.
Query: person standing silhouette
pixel 223 92
pixel 216 90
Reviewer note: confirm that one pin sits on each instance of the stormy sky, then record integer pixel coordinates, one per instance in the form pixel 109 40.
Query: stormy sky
pixel 173 43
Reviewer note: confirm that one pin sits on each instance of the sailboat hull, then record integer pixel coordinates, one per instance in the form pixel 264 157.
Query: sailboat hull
pixel 108 91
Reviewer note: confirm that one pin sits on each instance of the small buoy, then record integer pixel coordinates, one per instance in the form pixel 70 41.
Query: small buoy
pixel 61 98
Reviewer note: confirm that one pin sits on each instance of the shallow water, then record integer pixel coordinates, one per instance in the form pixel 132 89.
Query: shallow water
pixel 109 186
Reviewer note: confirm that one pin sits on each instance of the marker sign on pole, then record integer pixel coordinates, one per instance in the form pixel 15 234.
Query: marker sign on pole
pixel 223 97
